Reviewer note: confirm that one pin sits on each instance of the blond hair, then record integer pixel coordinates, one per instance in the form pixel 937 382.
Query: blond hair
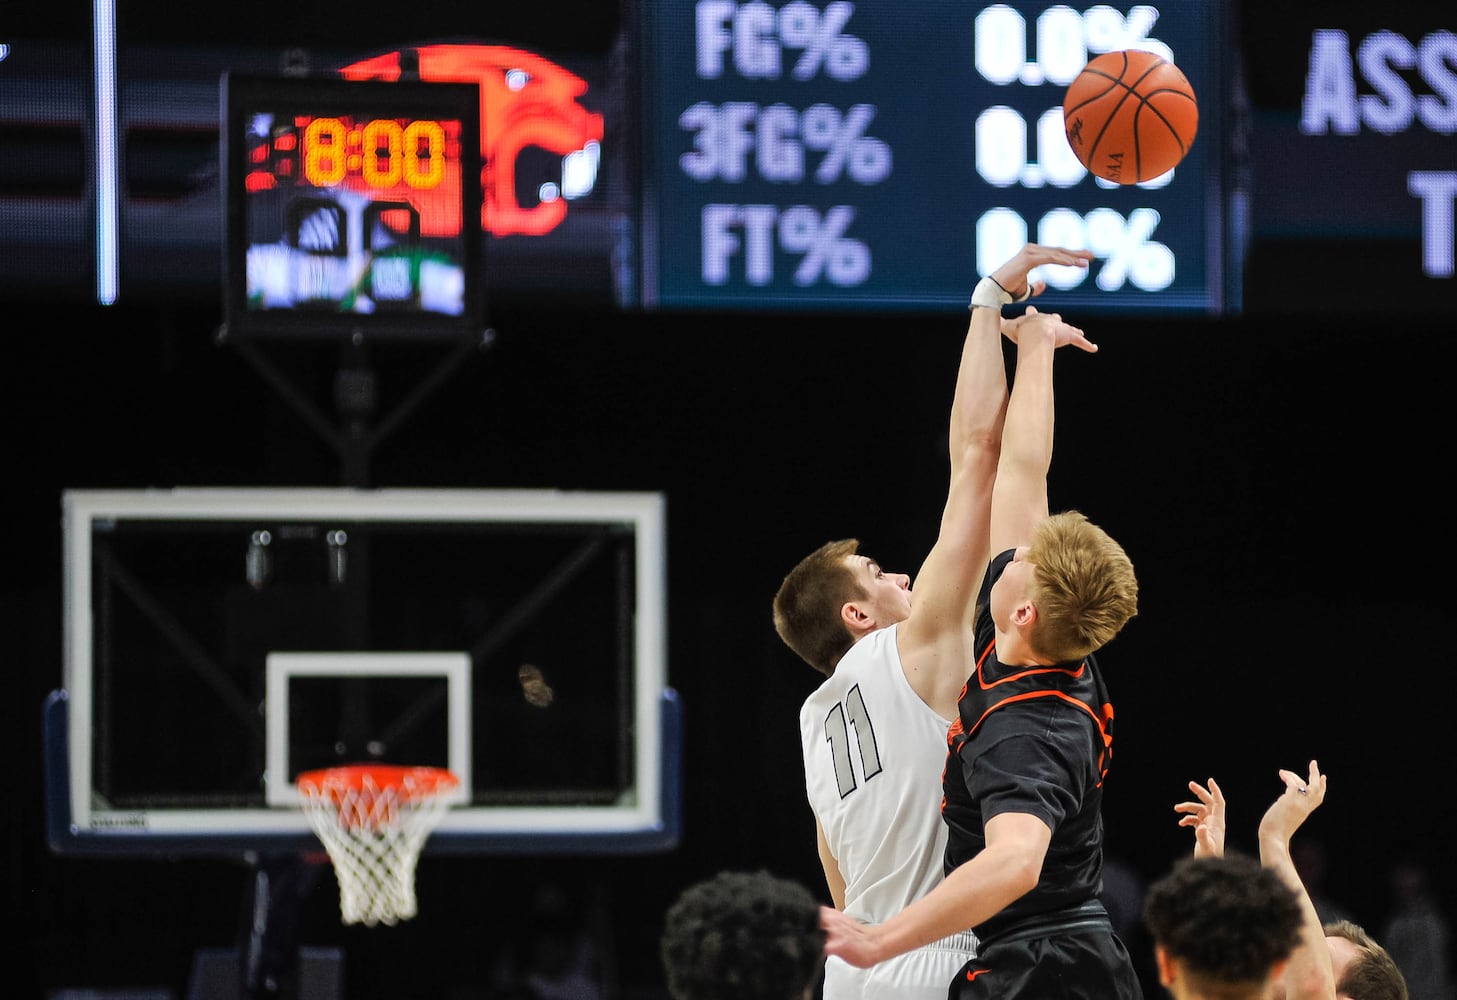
pixel 1083 585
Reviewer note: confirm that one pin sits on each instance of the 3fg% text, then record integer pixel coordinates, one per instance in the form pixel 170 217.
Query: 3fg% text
pixel 730 138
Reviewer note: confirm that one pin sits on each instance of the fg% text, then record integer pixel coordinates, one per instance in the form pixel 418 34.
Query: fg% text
pixel 726 136
pixel 755 38
pixel 1125 247
pixel 757 232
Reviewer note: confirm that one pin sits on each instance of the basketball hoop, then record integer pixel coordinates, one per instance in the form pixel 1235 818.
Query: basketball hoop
pixel 374 820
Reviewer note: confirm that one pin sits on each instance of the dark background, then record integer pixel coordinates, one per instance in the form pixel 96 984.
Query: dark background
pixel 1275 481
pixel 1277 477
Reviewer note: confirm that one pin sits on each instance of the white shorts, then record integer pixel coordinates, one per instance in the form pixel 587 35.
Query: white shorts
pixel 923 974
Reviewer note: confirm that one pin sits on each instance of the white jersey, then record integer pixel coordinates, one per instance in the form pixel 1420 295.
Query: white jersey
pixel 874 754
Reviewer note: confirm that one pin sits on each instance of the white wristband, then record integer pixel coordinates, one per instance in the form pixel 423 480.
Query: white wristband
pixel 988 294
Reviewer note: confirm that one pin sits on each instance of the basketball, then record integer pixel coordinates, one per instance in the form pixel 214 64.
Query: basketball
pixel 1130 116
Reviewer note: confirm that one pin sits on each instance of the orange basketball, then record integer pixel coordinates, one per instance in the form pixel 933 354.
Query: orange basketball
pixel 1130 116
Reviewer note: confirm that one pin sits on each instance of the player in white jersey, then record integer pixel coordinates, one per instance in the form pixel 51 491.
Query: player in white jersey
pixel 874 733
pixel 879 809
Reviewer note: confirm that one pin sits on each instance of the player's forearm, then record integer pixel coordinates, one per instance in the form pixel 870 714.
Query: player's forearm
pixel 979 404
pixel 1309 975
pixel 970 895
pixel 1027 439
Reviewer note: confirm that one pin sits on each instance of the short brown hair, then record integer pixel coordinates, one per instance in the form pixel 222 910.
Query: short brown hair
pixel 1085 588
pixel 1374 974
pixel 808 602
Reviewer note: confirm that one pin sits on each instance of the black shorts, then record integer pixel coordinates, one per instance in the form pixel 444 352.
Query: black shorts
pixel 1084 963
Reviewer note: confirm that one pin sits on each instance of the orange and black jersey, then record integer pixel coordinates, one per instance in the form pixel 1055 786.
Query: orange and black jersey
pixel 1032 740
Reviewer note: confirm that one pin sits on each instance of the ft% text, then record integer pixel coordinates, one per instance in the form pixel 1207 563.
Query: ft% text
pixel 757 232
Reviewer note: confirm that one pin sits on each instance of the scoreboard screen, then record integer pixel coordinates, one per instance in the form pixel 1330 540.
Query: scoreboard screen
pixel 775 155
pixel 842 155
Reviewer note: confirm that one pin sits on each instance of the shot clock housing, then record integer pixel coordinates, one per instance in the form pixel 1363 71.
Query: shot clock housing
pixel 352 208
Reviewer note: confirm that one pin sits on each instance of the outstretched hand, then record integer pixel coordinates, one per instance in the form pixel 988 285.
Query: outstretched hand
pixel 1062 334
pixel 1301 798
pixel 1013 275
pixel 846 937
pixel 1206 816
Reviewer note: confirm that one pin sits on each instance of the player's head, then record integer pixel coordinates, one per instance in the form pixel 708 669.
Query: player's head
pixel 832 598
pixel 1222 927
pixel 743 936
pixel 1079 581
pixel 1364 970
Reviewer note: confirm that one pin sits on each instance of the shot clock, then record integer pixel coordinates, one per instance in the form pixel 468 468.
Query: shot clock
pixel 352 207
pixel 384 153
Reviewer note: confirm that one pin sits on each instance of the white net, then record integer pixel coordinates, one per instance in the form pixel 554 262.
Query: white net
pixel 374 822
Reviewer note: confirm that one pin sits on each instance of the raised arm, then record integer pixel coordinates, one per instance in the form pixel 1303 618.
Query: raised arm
pixel 946 586
pixel 1309 975
pixel 1019 499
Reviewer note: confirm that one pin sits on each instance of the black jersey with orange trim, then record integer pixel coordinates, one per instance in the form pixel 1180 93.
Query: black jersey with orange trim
pixel 1032 740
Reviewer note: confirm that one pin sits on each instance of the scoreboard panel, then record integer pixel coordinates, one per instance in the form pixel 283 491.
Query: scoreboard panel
pixel 842 155
pixel 1353 113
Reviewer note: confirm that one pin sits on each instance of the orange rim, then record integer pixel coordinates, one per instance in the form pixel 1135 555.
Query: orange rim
pixel 334 782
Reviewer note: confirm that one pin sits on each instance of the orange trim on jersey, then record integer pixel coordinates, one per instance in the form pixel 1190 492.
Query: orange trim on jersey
pixel 1102 719
pixel 1018 675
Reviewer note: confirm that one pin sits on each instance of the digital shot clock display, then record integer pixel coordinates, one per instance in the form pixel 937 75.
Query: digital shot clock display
pixel 352 206
pixel 384 154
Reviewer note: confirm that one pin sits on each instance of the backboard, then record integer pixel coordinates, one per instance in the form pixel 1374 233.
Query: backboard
pixel 218 642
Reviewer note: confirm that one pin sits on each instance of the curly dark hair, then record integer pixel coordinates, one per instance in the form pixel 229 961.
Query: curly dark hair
pixel 743 936
pixel 1226 920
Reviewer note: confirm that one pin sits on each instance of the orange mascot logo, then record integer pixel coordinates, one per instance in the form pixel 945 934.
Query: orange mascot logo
pixel 526 100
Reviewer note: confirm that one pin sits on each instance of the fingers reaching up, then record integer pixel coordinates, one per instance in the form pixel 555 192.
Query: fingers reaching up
pixel 1302 796
pixel 1206 815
